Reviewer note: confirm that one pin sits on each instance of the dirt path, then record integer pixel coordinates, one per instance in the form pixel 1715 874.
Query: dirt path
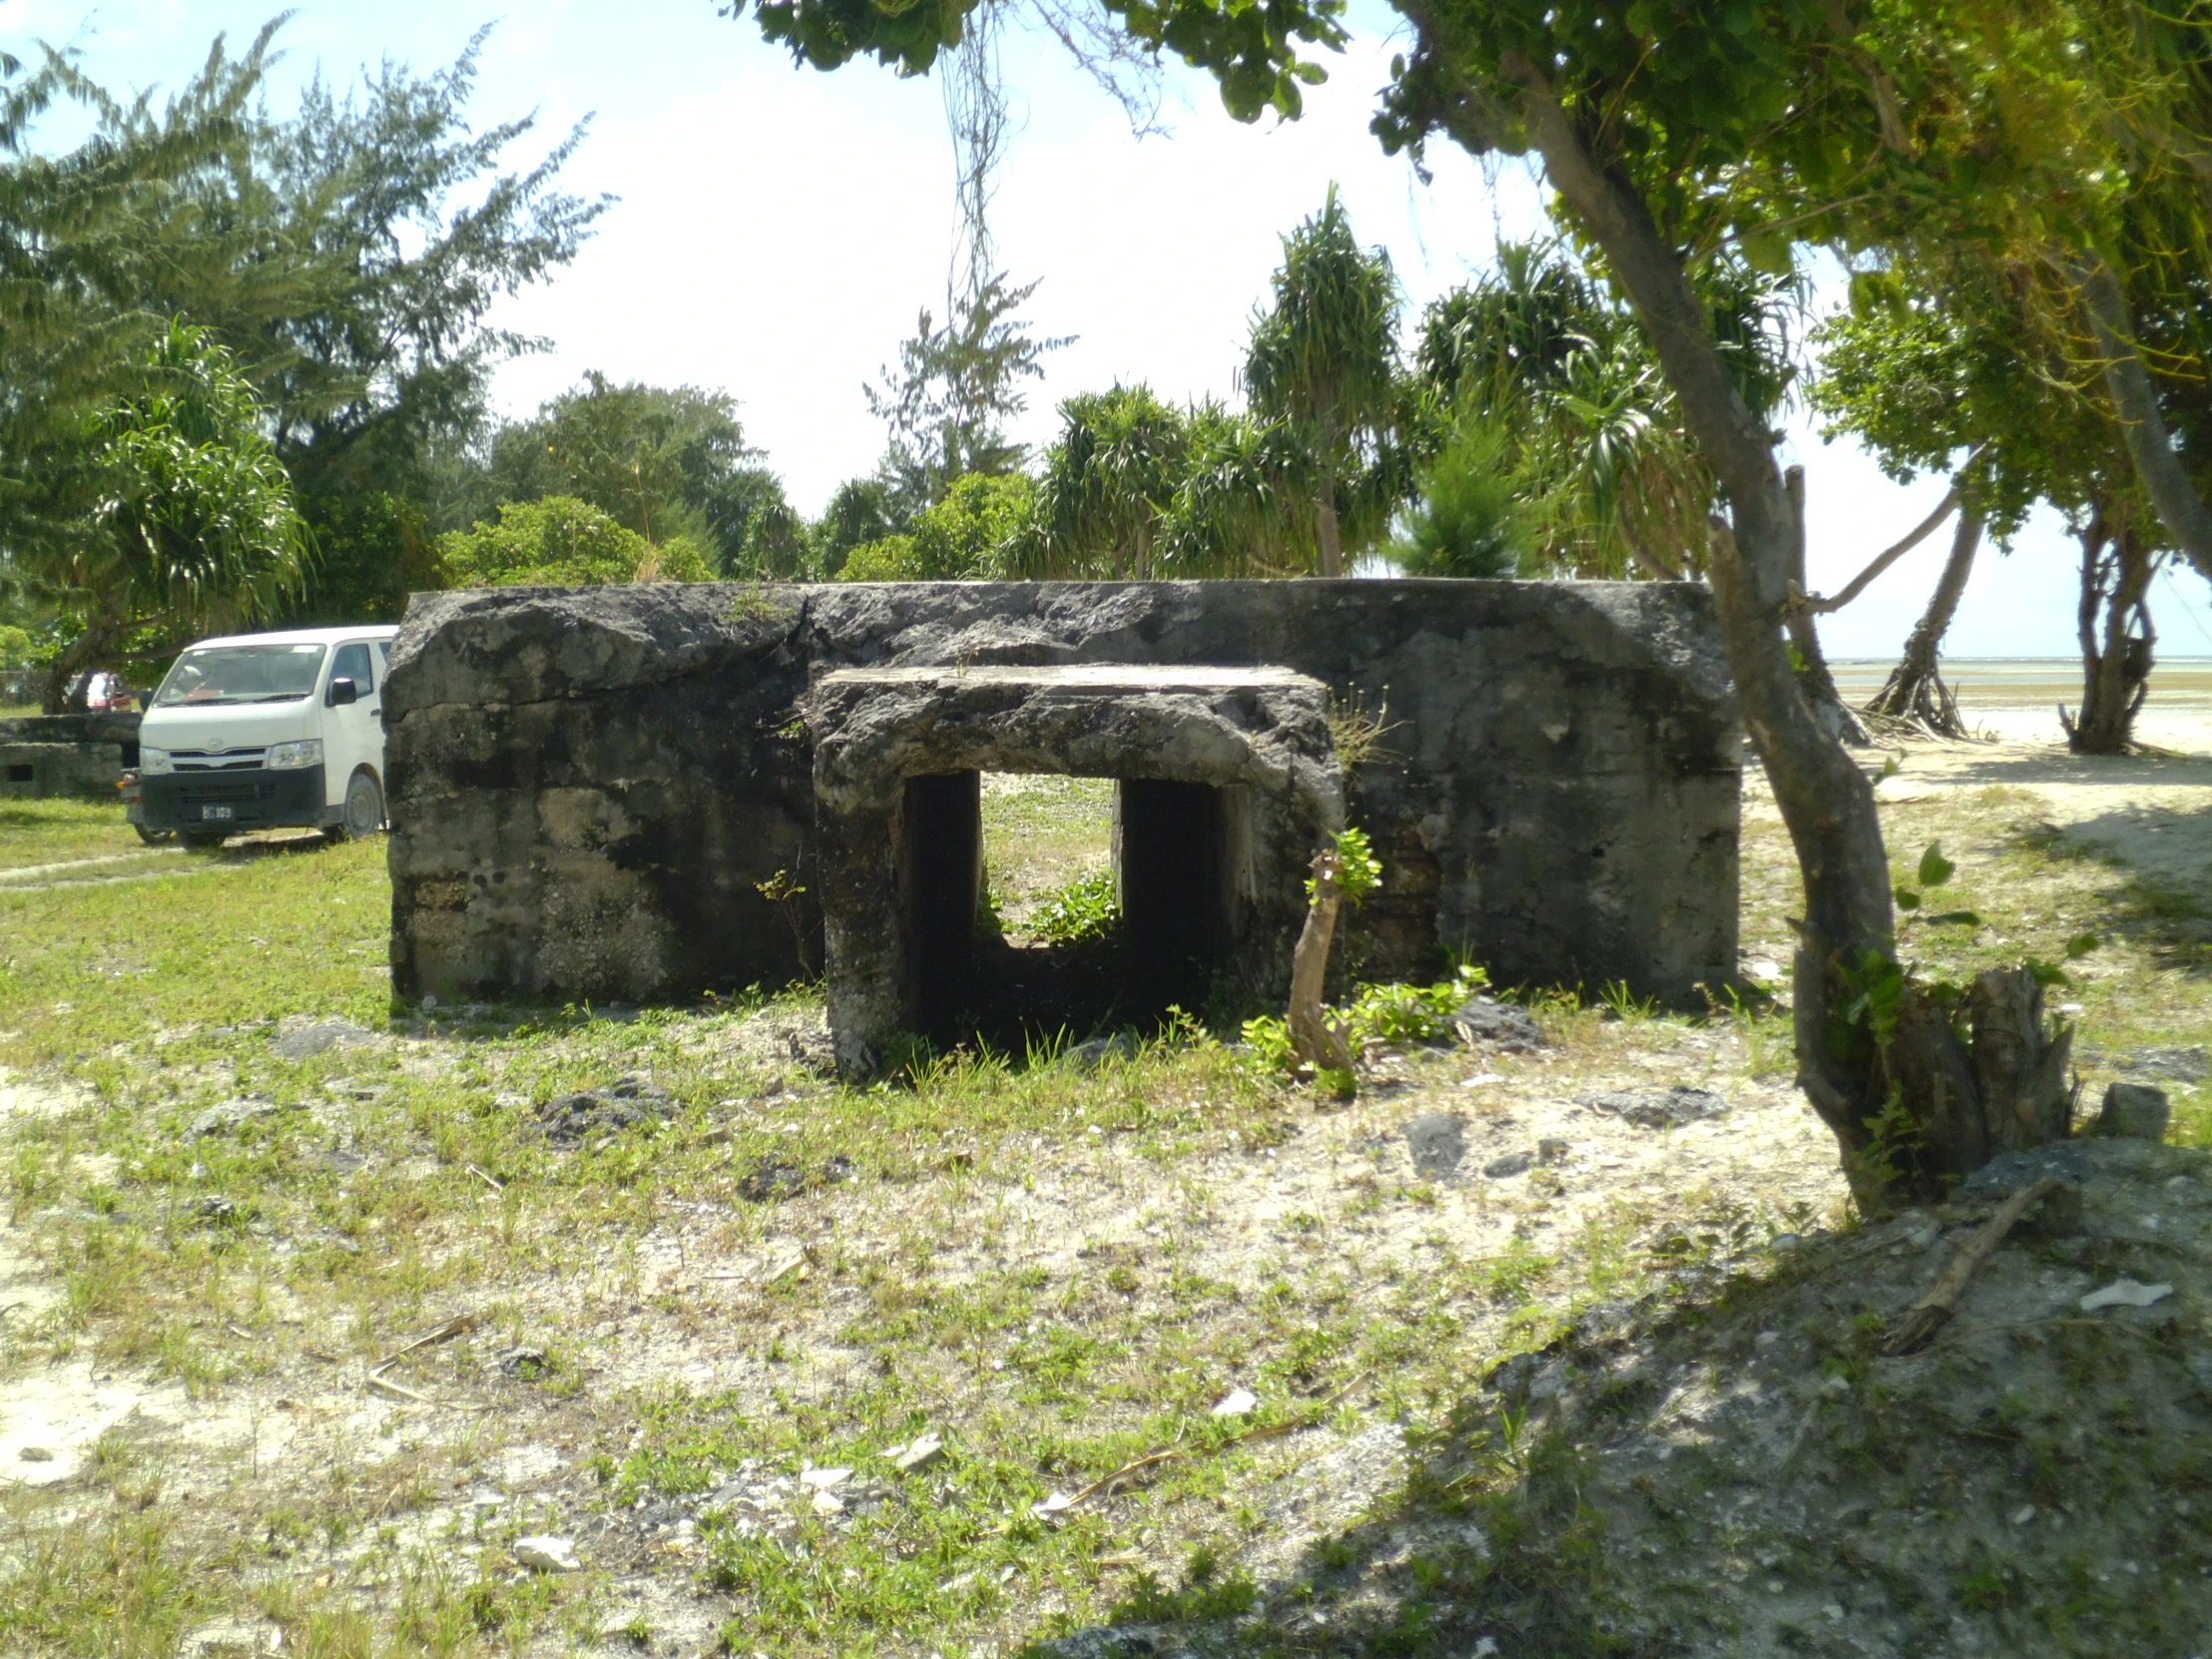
pixel 39 874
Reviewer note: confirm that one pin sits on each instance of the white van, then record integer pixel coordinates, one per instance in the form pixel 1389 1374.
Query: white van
pixel 265 730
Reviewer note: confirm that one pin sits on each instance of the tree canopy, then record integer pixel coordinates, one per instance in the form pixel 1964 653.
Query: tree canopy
pixel 970 535
pixel 559 541
pixel 345 257
pixel 660 462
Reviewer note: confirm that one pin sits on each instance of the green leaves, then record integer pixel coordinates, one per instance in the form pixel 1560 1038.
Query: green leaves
pixel 1935 871
pixel 1085 911
pixel 1868 993
pixel 195 519
pixel 1253 48
pixel 1108 482
pixel 563 542
pixel 1358 870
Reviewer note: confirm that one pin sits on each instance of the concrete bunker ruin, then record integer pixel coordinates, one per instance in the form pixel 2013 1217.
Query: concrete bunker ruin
pixel 600 793
pixel 1226 783
pixel 66 754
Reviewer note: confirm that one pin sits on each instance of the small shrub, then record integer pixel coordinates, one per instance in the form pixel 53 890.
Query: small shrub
pixel 1411 1013
pixel 1358 870
pixel 1383 1013
pixel 1269 1040
pixel 1469 521
pixel 1085 911
pixel 891 559
pixel 962 538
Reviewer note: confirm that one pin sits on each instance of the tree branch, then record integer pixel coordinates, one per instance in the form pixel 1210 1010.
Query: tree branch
pixel 1890 556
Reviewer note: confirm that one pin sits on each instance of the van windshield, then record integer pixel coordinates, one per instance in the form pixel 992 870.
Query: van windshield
pixel 241 674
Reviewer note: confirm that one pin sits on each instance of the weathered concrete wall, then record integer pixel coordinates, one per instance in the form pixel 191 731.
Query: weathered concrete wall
pixel 57 754
pixel 587 785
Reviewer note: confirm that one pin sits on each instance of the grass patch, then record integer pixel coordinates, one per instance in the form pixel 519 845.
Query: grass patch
pixel 53 832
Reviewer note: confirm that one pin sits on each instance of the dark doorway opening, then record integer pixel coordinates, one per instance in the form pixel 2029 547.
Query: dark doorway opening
pixel 940 870
pixel 1144 920
pixel 1175 906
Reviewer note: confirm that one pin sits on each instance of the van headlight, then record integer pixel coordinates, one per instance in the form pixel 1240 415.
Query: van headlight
pixel 290 756
pixel 153 763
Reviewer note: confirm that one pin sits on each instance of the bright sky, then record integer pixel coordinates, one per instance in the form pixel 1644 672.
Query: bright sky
pixel 778 228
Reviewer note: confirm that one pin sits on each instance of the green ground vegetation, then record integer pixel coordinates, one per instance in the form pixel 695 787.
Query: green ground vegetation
pixel 1060 1270
pixel 45 832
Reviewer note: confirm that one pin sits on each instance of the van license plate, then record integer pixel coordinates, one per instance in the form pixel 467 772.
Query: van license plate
pixel 216 812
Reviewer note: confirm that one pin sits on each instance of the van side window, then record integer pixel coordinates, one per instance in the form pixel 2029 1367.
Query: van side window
pixel 353 664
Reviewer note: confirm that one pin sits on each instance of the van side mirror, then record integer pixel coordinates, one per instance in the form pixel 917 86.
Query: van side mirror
pixel 343 692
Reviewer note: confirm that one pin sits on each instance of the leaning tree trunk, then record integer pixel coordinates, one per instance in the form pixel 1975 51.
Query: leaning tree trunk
pixel 1814 680
pixel 1913 1105
pixel 1325 533
pixel 2158 465
pixel 2116 569
pixel 1315 1038
pixel 1915 691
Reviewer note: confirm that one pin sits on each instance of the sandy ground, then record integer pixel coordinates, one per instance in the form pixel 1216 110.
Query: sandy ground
pixel 2156 814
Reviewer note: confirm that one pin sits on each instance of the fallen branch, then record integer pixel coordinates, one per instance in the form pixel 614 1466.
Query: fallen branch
pixel 1105 1481
pixel 1928 1315
pixel 458 1324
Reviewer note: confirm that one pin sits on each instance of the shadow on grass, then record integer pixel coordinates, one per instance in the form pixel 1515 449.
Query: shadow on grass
pixel 2164 904
pixel 278 845
pixel 1485 1548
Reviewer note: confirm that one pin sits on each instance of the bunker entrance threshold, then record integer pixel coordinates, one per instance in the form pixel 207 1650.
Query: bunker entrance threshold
pixel 1226 782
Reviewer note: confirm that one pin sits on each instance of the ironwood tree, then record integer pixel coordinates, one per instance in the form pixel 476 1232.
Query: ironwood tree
pixel 345 256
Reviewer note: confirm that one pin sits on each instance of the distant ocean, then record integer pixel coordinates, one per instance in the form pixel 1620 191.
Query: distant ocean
pixel 2033 681
pixel 2017 697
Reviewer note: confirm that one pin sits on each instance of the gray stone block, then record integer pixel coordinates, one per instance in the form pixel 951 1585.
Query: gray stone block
pixel 2133 1111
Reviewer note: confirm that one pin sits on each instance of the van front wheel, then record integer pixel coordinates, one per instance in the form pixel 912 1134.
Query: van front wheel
pixel 364 809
